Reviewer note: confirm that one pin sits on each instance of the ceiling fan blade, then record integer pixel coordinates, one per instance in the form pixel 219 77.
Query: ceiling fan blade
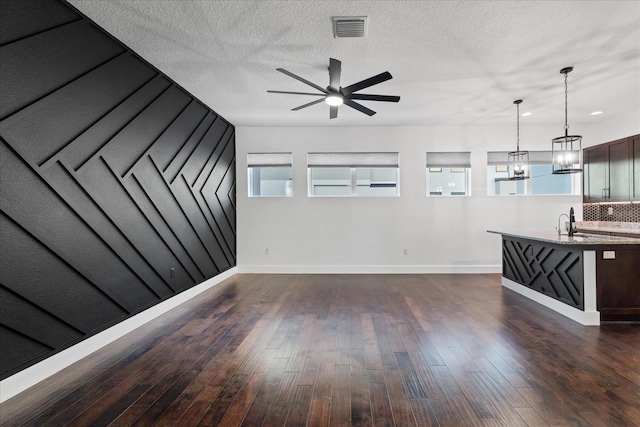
pixel 333 111
pixel 335 69
pixel 305 81
pixel 317 101
pixel 296 93
pixel 382 77
pixel 359 107
pixel 365 97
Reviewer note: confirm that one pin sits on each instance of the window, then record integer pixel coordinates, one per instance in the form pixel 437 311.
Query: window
pixel 353 174
pixel 270 174
pixel 448 173
pixel 541 180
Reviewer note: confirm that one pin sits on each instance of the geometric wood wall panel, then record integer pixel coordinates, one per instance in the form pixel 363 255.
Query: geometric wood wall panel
pixel 553 271
pixel 117 187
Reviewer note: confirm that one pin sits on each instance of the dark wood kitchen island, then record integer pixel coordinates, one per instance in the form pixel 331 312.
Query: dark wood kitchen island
pixel 587 277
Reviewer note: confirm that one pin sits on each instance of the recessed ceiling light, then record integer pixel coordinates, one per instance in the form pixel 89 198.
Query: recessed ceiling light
pixel 596 113
pixel 527 114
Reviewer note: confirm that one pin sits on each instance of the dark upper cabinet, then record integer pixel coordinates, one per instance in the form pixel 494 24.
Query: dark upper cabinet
pixel 634 141
pixel 596 165
pixel 619 156
pixel 610 172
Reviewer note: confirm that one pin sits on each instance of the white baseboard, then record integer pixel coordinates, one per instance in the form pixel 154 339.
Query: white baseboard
pixel 370 269
pixel 32 375
pixel 589 317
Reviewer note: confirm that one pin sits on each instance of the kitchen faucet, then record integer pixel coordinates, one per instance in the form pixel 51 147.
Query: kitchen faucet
pixel 558 228
pixel 572 219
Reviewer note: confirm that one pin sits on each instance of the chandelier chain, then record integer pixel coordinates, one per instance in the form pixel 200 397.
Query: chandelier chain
pixel 566 113
pixel 518 127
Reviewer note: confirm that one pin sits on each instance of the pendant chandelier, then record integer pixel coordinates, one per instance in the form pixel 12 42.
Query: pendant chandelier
pixel 518 160
pixel 566 150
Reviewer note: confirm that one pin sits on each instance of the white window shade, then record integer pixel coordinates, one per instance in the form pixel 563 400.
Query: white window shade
pixel 535 158
pixel 268 159
pixel 540 157
pixel 457 159
pixel 352 160
pixel 497 158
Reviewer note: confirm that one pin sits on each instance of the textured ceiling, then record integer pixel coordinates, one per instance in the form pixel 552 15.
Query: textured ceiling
pixel 453 62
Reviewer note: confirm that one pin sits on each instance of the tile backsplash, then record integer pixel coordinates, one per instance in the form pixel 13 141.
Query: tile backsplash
pixel 621 212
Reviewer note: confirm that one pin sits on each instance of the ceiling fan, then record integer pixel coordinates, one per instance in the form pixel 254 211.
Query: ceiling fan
pixel 336 95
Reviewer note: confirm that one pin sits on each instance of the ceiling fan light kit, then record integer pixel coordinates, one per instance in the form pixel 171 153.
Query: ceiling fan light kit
pixel 335 95
pixel 334 99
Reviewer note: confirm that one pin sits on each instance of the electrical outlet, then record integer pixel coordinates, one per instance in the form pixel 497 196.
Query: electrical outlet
pixel 266 251
pixel 610 210
pixel 406 251
pixel 172 272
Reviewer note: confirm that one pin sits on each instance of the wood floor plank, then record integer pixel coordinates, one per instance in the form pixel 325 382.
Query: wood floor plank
pixel 245 397
pixel 400 406
pixel 341 396
pixel 355 349
pixel 423 413
pixel 380 404
pixel 223 401
pixel 371 349
pixel 264 396
pixel 360 401
pixel 158 407
pixel 453 400
pixel 320 409
pixel 498 399
pixel 552 409
pixel 384 341
pixel 410 378
pixel 426 376
pixel 531 417
pixel 299 411
pixel 283 399
pixel 199 406
pixel 418 314
pixel 304 342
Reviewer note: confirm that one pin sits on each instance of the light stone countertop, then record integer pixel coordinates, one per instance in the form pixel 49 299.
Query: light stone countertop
pixel 610 227
pixel 580 239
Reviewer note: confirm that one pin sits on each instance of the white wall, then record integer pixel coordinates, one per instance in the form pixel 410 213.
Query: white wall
pixel 610 129
pixel 306 234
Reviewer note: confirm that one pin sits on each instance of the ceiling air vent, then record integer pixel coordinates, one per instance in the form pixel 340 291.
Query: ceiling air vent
pixel 349 26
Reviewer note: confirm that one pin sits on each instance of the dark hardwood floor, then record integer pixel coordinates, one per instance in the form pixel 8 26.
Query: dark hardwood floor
pixel 425 350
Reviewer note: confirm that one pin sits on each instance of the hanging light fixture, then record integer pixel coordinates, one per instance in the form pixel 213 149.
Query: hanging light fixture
pixel 566 150
pixel 518 160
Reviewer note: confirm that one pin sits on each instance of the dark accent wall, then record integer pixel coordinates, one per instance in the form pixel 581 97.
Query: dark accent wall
pixel 117 187
pixel 552 270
